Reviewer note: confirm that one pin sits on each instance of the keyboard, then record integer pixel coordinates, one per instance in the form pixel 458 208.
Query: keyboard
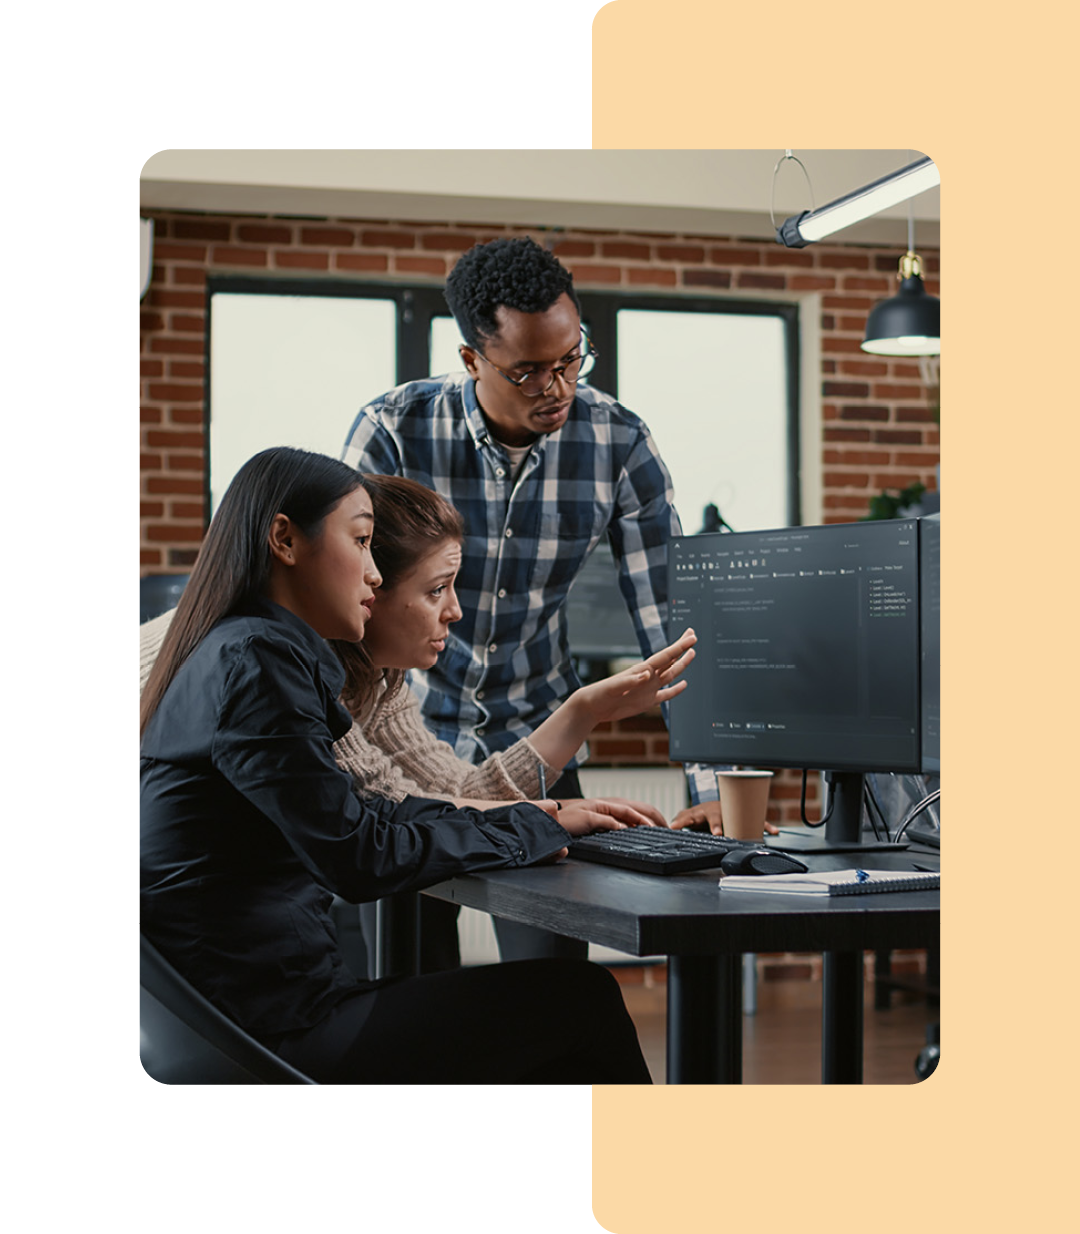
pixel 656 850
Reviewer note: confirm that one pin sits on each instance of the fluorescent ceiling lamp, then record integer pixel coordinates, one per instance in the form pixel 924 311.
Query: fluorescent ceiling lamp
pixel 803 229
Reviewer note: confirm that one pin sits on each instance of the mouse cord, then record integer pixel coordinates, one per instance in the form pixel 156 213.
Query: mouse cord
pixel 873 807
pixel 802 805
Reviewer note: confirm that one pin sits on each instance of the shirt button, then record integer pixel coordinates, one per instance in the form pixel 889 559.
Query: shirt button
pixel 502 593
pixel 500 472
pixel 509 533
pixel 479 693
pixel 493 647
pixel 480 732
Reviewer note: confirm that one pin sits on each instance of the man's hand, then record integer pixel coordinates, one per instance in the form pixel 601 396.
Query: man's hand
pixel 708 812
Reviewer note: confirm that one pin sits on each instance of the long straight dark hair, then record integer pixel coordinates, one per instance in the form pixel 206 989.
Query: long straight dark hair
pixel 233 565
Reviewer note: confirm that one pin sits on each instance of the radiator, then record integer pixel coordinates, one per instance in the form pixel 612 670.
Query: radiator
pixel 662 787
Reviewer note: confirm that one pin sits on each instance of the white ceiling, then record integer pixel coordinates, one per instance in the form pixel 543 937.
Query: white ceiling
pixel 699 192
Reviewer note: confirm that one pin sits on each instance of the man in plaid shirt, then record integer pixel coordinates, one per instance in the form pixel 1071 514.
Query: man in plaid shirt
pixel 542 470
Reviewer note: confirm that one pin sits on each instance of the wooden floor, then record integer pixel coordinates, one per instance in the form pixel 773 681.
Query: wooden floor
pixel 782 1039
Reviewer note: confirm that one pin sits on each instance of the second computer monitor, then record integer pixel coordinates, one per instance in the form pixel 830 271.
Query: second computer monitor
pixel 810 648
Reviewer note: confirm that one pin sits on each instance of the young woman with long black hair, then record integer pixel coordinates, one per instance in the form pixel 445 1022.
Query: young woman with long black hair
pixel 249 826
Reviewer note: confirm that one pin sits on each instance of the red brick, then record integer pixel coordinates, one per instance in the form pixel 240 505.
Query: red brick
pixel 240 257
pixel 843 261
pixel 837 501
pixel 915 415
pixel 261 233
pixel 847 302
pixel 178 346
pixel 151 509
pixel 151 321
pixel 680 252
pixel 574 248
pixel 189 276
pixel 849 346
pixel 175 299
pixel 149 415
pixel 150 462
pixel 166 440
pixel 187 509
pixel 897 479
pixel 149 557
pixel 811 282
pixel 771 282
pixel 847 434
pixel 151 368
pixel 857 325
pixel 173 484
pixel 194 229
pixel 388 239
pixel 447 241
pixel 421 265
pixel 173 392
pixel 859 412
pixel 735 257
pixel 361 261
pixel 301 261
pixel 856 457
pixel 186 415
pixel 865 368
pixel 927 460
pixel 706 278
pixel 180 252
pixel 852 389
pixel 648 274
pixel 897 437
pixel 165 532
pixel 847 479
pixel 187 368
pixel 855 283
pixel 187 323
pixel 185 462
pixel 828 322
pixel 788 257
pixel 338 237
pixel 618 749
pixel 596 274
pixel 897 392
pixel 627 252
pixel 182 556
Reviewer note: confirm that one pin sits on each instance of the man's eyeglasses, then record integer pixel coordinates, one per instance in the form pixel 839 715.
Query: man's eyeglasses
pixel 539 381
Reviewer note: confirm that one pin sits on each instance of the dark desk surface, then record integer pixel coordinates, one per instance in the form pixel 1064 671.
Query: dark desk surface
pixel 687 914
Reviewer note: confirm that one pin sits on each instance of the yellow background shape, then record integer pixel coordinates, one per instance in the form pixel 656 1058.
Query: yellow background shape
pixel 988 93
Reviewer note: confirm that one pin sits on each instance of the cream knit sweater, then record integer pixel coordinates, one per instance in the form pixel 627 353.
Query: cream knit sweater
pixel 395 756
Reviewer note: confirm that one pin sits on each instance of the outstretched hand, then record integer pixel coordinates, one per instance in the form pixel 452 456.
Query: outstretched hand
pixel 708 812
pixel 641 686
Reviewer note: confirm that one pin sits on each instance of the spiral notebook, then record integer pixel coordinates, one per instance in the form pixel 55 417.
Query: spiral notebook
pixel 833 882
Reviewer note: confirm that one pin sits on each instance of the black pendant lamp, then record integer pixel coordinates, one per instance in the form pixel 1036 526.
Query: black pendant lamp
pixel 908 324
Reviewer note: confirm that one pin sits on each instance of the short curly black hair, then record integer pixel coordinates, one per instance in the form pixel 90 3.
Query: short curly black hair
pixel 517 273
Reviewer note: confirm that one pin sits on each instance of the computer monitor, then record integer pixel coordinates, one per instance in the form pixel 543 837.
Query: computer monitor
pixel 817 648
pixel 598 622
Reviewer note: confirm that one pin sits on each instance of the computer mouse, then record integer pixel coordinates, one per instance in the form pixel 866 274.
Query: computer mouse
pixel 761 861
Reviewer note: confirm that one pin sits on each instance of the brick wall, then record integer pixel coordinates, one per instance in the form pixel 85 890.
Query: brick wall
pixel 880 427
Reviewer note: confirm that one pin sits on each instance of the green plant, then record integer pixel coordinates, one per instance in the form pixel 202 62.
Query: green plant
pixel 890 504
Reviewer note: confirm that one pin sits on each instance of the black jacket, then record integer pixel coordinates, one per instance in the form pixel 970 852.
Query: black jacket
pixel 248 825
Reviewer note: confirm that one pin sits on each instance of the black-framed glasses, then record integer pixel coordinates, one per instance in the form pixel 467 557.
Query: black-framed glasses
pixel 539 381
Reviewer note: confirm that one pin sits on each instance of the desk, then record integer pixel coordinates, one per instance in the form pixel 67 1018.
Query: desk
pixel 704 934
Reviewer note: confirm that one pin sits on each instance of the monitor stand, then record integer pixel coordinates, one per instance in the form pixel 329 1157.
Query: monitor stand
pixel 843 830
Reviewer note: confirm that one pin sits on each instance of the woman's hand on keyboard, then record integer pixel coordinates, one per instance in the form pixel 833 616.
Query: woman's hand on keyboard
pixel 708 812
pixel 580 815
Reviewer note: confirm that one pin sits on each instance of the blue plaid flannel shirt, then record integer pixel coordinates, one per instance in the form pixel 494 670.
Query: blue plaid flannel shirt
pixel 506 665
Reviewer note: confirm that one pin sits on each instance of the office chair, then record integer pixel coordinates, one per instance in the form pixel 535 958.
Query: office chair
pixel 158 593
pixel 184 1039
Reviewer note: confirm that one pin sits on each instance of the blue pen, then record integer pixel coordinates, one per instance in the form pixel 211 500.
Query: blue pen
pixel 543 780
pixel 861 876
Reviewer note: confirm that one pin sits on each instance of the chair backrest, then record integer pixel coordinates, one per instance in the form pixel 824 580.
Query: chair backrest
pixel 185 1039
pixel 158 593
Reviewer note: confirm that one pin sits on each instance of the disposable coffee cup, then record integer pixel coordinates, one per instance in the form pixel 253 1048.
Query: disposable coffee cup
pixel 744 802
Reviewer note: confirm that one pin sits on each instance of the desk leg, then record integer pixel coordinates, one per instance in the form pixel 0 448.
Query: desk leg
pixel 397 935
pixel 704 1028
pixel 842 1017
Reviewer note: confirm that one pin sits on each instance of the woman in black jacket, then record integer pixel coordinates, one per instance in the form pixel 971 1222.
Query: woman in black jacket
pixel 249 827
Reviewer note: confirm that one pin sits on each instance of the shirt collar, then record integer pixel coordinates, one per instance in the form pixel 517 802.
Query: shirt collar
pixel 267 610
